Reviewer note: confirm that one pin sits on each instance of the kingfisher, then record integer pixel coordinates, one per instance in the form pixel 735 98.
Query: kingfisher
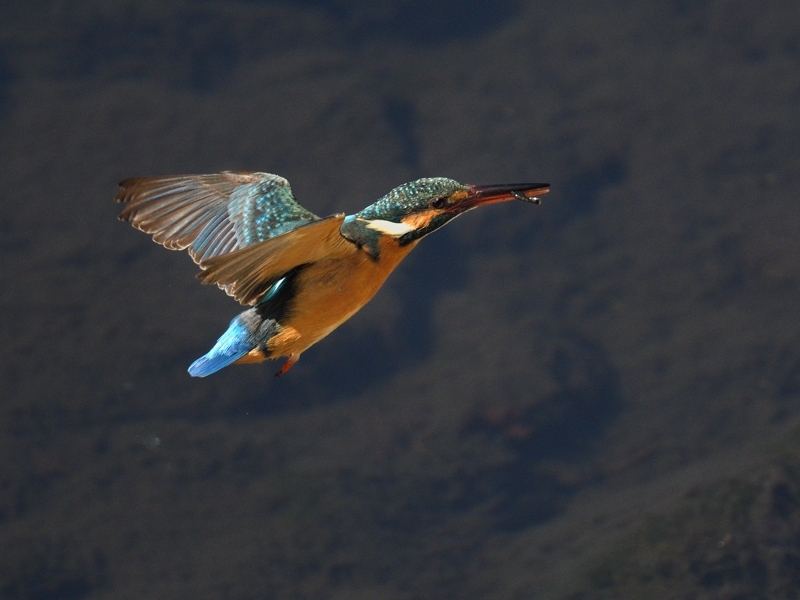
pixel 301 275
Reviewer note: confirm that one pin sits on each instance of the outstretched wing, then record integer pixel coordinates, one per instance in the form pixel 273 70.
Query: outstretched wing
pixel 248 273
pixel 212 215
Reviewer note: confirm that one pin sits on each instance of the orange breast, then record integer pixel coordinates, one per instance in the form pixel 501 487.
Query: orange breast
pixel 332 291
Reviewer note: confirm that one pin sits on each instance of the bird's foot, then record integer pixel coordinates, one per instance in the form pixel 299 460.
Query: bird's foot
pixel 287 365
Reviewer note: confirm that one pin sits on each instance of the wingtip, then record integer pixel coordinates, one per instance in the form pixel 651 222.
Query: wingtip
pixel 123 194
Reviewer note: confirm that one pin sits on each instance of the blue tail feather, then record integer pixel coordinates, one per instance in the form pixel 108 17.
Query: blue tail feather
pixel 233 345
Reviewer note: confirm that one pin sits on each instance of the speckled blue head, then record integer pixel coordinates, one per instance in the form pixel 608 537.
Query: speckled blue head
pixel 411 197
pixel 415 197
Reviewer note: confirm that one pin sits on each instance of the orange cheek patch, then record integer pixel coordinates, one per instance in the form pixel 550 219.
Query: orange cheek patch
pixel 420 220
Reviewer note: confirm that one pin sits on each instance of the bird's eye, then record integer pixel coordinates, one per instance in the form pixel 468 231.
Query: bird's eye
pixel 438 202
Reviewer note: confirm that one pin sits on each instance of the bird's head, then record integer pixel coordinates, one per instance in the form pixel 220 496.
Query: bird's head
pixel 415 209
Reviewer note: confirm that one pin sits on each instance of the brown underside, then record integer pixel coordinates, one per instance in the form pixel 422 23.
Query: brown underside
pixel 332 291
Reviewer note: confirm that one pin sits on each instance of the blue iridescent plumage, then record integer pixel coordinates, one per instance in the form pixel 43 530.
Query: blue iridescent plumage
pixel 247 331
pixel 411 196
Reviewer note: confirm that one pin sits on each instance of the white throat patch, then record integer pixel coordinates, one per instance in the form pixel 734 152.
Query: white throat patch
pixel 388 227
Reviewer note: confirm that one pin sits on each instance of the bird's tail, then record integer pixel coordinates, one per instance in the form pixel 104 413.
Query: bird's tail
pixel 237 341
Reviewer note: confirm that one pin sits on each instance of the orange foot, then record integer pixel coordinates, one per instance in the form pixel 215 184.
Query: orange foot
pixel 287 365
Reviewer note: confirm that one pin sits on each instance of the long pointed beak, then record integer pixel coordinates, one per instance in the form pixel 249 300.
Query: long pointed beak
pixel 491 194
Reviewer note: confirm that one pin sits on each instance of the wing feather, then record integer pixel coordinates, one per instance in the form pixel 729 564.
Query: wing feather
pixel 247 274
pixel 214 214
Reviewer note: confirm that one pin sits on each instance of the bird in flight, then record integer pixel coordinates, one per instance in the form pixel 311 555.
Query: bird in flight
pixel 301 275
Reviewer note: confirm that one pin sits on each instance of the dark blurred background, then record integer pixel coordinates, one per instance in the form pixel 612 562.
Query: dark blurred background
pixel 598 397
